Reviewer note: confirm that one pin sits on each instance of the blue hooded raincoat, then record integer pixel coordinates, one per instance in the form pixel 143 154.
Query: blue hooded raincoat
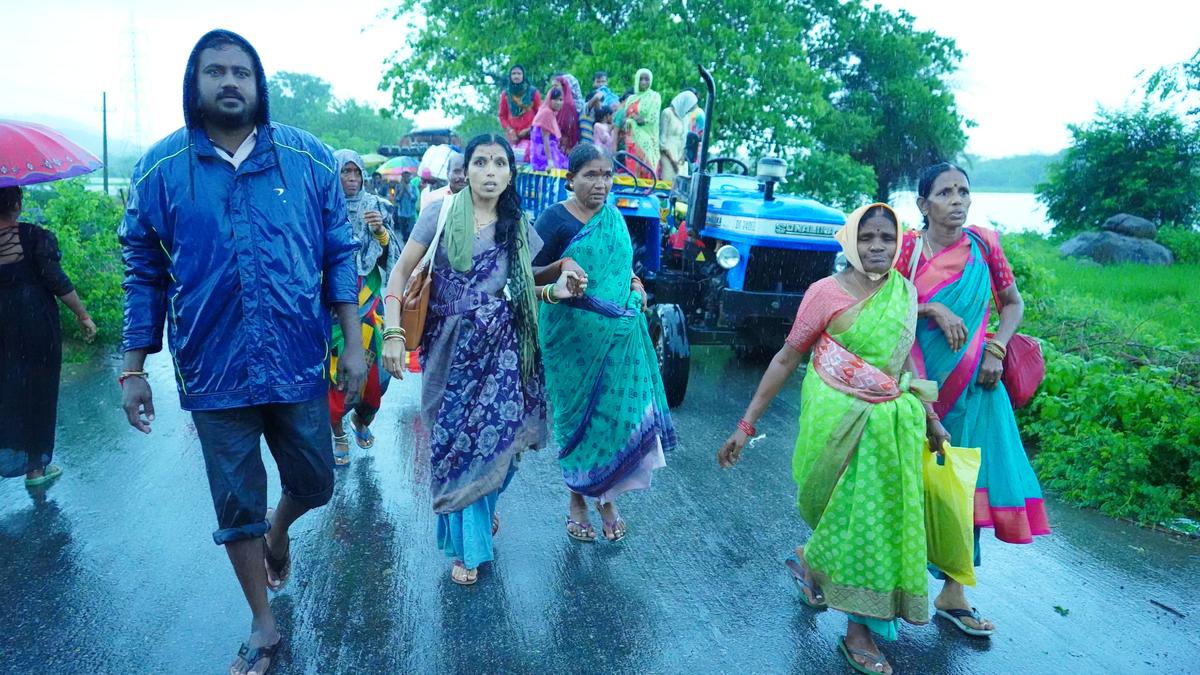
pixel 243 266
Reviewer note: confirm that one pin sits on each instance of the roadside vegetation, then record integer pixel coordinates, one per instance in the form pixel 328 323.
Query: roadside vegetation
pixel 1116 425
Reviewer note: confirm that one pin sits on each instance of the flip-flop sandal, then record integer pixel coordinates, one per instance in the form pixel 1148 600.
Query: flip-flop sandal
pixel 877 660
pixel 797 571
pixel 49 474
pixel 280 568
pixel 495 523
pixel 341 457
pixel 581 531
pixel 365 438
pixel 611 526
pixel 250 657
pixel 467 579
pixel 955 616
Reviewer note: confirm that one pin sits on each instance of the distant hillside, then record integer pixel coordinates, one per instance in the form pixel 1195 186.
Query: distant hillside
pixel 1019 173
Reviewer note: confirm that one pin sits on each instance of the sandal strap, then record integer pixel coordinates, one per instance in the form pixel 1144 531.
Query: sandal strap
pixel 879 659
pixel 798 571
pixel 965 614
pixel 252 656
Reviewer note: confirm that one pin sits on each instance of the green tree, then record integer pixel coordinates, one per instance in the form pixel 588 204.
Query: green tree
pixel 889 86
pixel 460 59
pixel 307 101
pixel 1179 82
pixel 774 92
pixel 1142 161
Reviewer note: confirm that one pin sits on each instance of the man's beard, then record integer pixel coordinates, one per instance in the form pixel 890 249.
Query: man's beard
pixel 214 115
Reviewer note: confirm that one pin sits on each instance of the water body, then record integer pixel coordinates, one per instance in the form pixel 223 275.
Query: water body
pixel 1010 211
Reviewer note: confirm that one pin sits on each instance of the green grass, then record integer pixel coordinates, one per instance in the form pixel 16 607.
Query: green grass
pixel 1140 314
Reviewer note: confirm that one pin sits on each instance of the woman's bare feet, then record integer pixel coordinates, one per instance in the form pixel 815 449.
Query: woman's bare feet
pixel 812 592
pixel 462 576
pixel 954 597
pixel 579 525
pixel 861 648
pixel 614 525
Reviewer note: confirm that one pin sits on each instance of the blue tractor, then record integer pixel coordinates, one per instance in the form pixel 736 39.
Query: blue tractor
pixel 725 260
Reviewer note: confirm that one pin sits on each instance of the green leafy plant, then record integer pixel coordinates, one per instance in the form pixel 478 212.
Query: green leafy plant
pixel 1183 242
pixel 85 223
pixel 1125 443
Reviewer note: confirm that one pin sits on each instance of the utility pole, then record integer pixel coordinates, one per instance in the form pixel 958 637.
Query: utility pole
pixel 104 136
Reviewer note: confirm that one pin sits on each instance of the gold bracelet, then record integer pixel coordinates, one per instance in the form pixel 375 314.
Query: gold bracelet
pixel 383 238
pixel 996 349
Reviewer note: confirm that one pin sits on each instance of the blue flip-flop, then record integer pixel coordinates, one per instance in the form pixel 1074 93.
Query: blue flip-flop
pixel 340 457
pixel 796 568
pixel 365 438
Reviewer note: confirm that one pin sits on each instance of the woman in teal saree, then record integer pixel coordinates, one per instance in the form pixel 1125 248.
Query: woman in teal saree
pixel 958 270
pixel 864 420
pixel 611 420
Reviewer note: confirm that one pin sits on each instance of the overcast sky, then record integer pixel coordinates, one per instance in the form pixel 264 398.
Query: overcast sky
pixel 1030 68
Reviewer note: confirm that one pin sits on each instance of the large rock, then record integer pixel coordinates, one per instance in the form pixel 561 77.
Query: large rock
pixel 1131 226
pixel 1110 248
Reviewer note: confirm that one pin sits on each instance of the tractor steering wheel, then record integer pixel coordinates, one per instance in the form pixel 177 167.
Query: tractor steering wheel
pixel 619 165
pixel 720 162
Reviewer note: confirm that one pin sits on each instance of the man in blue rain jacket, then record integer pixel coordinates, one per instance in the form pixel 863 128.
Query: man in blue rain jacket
pixel 236 238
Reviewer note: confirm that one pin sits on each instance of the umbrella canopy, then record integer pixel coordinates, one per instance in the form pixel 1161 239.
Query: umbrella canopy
pixel 398 165
pixel 373 159
pixel 33 153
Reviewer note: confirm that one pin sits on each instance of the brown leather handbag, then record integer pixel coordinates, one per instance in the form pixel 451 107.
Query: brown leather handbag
pixel 415 304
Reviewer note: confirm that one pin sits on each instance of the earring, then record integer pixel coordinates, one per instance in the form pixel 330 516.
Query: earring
pixel 570 186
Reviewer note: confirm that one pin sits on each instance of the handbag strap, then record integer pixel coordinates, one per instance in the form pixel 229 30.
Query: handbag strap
pixel 987 254
pixel 918 246
pixel 437 234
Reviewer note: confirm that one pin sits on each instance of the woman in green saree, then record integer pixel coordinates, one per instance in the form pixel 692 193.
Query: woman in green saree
pixel 611 421
pixel 863 424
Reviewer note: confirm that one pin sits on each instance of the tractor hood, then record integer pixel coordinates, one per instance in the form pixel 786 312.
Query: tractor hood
pixel 738 213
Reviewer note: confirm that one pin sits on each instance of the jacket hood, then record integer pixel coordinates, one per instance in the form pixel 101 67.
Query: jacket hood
pixel 191 95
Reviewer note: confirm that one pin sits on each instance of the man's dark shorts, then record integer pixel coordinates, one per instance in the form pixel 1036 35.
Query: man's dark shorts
pixel 301 442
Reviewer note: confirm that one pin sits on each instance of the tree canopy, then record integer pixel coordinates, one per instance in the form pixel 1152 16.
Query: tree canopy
pixel 1143 161
pixel 307 101
pixel 853 112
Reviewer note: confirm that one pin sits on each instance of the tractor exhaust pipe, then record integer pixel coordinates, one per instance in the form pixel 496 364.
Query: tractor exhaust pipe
pixel 698 209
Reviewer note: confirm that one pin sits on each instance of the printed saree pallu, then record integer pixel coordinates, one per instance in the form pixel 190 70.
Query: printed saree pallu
pixel 610 409
pixel 857 463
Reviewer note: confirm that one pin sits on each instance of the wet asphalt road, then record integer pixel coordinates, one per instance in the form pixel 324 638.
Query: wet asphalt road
pixel 113 570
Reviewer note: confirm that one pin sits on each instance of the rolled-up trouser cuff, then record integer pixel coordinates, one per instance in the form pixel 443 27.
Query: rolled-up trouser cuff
pixel 314 500
pixel 232 534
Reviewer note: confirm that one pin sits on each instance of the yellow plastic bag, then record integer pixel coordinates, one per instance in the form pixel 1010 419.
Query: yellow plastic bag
pixel 950 511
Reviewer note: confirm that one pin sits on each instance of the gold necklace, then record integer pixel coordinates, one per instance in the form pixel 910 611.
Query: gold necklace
pixel 479 227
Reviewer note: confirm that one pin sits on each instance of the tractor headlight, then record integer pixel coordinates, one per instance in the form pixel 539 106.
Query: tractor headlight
pixel 728 257
pixel 840 263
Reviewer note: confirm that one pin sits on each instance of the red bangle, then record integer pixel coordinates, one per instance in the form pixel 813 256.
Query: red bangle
pixel 747 428
pixel 389 296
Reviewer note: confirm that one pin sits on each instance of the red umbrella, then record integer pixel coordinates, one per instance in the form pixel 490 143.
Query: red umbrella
pixel 33 153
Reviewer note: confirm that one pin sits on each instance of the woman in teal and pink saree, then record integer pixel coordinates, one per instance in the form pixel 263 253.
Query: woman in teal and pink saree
pixel 956 270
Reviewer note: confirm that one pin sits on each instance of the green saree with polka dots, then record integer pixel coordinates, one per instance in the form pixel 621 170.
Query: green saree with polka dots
pixel 858 462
